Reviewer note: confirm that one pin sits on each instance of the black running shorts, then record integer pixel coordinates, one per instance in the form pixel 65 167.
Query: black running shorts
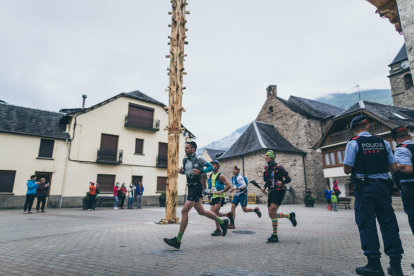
pixel 195 192
pixel 328 200
pixel 275 197
pixel 217 200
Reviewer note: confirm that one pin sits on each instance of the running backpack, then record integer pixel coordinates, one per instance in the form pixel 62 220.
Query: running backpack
pixel 219 186
pixel 246 181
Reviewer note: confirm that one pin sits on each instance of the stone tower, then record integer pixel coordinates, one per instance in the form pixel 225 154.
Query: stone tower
pixel 402 86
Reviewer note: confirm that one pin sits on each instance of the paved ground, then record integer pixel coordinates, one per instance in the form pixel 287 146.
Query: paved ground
pixel 111 242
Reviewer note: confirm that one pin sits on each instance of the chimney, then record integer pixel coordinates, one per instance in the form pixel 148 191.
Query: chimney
pixel 271 90
pixel 83 102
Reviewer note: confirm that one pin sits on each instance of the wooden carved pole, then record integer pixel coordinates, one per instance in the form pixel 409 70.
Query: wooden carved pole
pixel 175 89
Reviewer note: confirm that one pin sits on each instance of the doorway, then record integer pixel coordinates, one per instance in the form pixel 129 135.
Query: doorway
pixel 48 179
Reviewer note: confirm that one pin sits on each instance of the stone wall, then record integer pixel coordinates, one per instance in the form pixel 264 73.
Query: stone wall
pixel 301 132
pixel 406 14
pixel 253 169
pixel 401 96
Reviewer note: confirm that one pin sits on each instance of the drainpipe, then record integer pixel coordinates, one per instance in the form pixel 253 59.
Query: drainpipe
pixel 64 174
pixel 243 165
pixel 304 171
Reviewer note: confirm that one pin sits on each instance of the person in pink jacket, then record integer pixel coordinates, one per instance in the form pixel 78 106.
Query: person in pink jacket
pixel 116 190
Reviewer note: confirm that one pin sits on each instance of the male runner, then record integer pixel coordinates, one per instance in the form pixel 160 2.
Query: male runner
pixel 193 168
pixel 217 185
pixel 240 196
pixel 273 176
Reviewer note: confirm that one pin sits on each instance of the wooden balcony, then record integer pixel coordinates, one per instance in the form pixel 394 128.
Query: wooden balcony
pixel 346 134
pixel 141 122
pixel 112 157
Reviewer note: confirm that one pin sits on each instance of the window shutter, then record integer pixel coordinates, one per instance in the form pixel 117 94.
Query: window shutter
pixel 106 183
pixel 109 142
pixel 162 149
pixel 139 144
pixel 46 148
pixel 161 184
pixel 7 181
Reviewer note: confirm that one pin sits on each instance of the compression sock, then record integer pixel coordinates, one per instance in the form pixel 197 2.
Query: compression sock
pixel 274 225
pixel 179 236
pixel 219 220
pixel 281 215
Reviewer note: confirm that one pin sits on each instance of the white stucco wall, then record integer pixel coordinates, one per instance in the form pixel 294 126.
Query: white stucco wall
pixel 19 153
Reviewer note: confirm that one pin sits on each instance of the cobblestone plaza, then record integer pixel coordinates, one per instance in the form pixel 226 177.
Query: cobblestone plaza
pixel 128 242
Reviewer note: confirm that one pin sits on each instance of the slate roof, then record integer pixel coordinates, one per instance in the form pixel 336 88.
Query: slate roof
pixel 28 121
pixel 402 55
pixel 311 108
pixel 259 136
pixel 385 113
pixel 213 152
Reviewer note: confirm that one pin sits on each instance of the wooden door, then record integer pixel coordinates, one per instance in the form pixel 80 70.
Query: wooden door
pixel 163 154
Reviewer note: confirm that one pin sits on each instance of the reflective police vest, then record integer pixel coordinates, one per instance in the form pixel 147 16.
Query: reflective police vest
pixel 372 156
pixel 406 176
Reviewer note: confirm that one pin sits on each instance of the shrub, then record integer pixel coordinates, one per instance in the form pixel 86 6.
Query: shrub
pixel 163 195
pixel 308 197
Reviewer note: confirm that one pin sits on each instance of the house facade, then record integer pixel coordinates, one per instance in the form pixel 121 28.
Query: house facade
pixel 121 140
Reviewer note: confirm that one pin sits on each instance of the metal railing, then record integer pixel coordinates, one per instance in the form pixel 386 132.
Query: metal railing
pixel 109 156
pixel 142 122
pixel 162 161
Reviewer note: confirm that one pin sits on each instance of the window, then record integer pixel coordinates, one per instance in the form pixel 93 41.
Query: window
pixel 141 115
pixel 46 148
pixel 162 158
pixel 332 155
pixel 7 181
pixel 139 146
pixel 106 183
pixel 327 163
pixel 109 148
pixel 161 184
pixel 136 179
pixel 339 157
pixel 408 81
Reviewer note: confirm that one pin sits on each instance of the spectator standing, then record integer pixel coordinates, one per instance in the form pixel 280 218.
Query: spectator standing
pixel 41 194
pixel 123 192
pixel 336 188
pixel 334 200
pixel 32 185
pixel 328 194
pixel 140 193
pixel 116 192
pixel 92 194
pixel 308 191
pixel 131 195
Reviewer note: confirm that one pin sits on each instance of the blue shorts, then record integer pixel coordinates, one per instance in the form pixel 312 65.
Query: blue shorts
pixel 242 199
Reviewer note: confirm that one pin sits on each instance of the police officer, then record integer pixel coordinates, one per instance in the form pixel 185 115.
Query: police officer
pixel 369 158
pixel 404 154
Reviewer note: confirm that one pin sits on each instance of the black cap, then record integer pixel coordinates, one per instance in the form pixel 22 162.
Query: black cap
pixel 359 121
pixel 398 130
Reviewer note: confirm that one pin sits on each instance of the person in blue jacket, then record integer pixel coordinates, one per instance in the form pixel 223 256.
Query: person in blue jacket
pixel 32 186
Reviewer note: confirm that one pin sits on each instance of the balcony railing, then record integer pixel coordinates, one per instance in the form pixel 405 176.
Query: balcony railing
pixel 346 134
pixel 142 122
pixel 162 161
pixel 107 156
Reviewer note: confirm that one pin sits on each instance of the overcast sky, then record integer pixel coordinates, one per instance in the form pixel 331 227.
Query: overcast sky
pixel 52 52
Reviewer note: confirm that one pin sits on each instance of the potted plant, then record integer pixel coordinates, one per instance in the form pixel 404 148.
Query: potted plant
pixel 162 198
pixel 309 200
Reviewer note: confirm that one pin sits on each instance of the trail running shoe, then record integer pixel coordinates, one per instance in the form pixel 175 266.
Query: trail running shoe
pixel 273 239
pixel 224 226
pixel 216 233
pixel 231 218
pixel 292 218
pixel 257 211
pixel 173 242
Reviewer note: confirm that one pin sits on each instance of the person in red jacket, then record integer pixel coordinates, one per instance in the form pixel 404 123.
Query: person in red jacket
pixel 116 191
pixel 122 196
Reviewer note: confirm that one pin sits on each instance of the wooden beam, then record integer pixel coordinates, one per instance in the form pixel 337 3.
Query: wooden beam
pixel 175 105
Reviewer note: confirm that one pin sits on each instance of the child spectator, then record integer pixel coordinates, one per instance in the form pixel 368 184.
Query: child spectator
pixel 41 194
pixel 328 194
pixel 334 200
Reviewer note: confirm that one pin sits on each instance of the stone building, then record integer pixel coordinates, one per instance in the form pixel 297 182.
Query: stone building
pixel 302 122
pixel 402 86
pixel 248 153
